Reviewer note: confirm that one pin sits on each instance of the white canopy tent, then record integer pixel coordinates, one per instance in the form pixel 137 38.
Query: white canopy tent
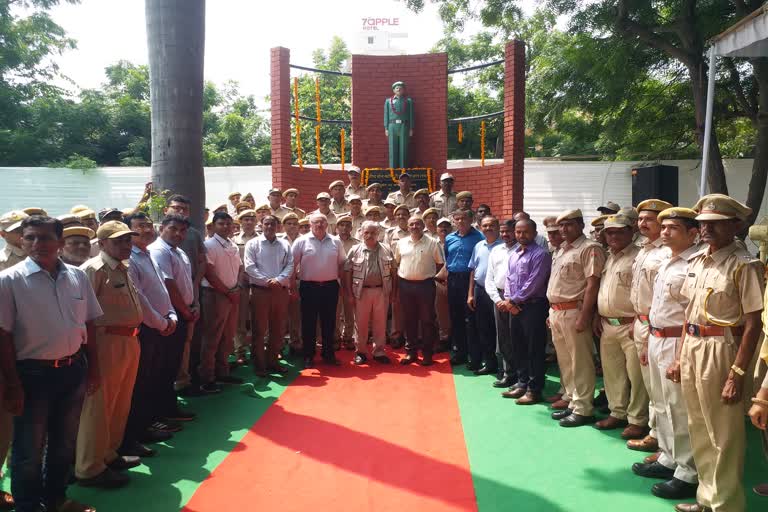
pixel 747 38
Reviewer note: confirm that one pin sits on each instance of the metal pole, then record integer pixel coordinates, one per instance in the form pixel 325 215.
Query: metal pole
pixel 708 122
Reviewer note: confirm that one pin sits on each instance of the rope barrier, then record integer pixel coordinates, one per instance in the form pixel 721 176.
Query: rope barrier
pixel 325 71
pixel 479 66
pixel 475 118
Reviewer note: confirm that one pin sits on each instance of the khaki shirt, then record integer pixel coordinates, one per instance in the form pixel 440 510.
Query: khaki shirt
pixel 349 243
pixel 339 208
pixel 613 297
pixel 443 202
pixel 95 247
pixel 351 191
pixel 723 286
pixel 669 303
pixel 644 270
pixel 408 200
pixel 357 223
pixel 393 235
pixel 10 256
pixel 240 240
pixel 298 211
pixel 572 265
pixel 115 291
pixel 418 261
pixel 283 211
pixel 287 238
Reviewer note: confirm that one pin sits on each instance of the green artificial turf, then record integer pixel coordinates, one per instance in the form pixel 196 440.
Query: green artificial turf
pixel 522 460
pixel 166 482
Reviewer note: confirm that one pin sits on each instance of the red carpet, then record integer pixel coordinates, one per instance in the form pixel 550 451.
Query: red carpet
pixel 371 438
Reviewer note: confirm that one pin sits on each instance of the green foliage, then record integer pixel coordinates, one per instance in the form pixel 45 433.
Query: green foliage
pixel 79 162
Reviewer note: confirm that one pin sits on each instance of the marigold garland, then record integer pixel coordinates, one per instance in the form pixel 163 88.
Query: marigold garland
pixel 298 123
pixel 342 148
pixel 365 175
pixel 460 135
pixel 482 144
pixel 317 128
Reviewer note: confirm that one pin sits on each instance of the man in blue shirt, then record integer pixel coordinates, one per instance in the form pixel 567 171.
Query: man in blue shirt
pixel 482 344
pixel 458 251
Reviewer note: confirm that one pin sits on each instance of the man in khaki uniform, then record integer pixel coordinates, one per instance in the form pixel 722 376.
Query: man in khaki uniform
pixel 644 271
pixel 275 198
pixel 724 287
pixel 234 198
pixel 572 293
pixel 374 194
pixel 674 461
pixel 290 234
pixel 627 396
pixel 77 245
pixel 404 195
pixel 356 214
pixel 104 416
pixel 354 188
pixel 391 237
pixel 339 203
pixel 445 198
pixel 421 200
pixel 345 310
pixel 88 219
pixel 247 232
pixel 290 196
pixel 442 309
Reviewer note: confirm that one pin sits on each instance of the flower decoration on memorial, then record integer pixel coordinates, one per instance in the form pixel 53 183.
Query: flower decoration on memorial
pixel 342 135
pixel 299 160
pixel 317 127
pixel 482 143
pixel 460 134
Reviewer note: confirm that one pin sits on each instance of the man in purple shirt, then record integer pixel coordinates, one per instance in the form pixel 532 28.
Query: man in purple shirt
pixel 525 295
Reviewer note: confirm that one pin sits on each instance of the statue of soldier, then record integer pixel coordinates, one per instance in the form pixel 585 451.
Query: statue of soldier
pixel 398 125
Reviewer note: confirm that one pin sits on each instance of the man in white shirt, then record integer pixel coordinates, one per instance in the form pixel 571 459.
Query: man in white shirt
pixel 220 303
pixel 269 265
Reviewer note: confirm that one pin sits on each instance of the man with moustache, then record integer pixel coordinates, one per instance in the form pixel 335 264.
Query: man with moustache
pixel 344 334
pixel 356 214
pixel 290 196
pixel 77 245
pixel 247 233
pixel 421 202
pixel 404 194
pixel 291 234
pixel 339 203
pixel 354 188
pixel 444 199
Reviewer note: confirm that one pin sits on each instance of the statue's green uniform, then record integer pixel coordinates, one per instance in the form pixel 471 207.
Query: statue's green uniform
pixel 398 121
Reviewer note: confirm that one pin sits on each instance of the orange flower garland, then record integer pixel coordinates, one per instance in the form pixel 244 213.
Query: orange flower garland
pixel 482 144
pixel 317 127
pixel 365 175
pixel 298 123
pixel 342 148
pixel 460 135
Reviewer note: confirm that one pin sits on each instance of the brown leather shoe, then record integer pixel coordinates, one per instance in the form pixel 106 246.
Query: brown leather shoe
pixel 691 507
pixel 634 432
pixel 530 398
pixel 646 444
pixel 610 423
pixel 652 458
pixel 560 405
pixel 554 398
pixel 514 393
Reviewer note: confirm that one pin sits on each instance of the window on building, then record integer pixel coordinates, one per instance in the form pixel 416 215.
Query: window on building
pixel 370 40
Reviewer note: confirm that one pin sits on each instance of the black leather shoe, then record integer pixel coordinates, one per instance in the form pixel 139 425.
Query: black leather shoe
pixel 558 415
pixel 398 343
pixel 457 359
pixel 107 479
pixel 309 362
pixel 360 359
pixel 229 379
pixel 331 361
pixel 137 449
pixel 443 346
pixel 426 361
pixel 674 489
pixel 410 358
pixel 652 470
pixel 124 462
pixel 576 420
pixel 181 415
pixel 382 359
pixel 486 370
pixel 155 436
pixel 506 382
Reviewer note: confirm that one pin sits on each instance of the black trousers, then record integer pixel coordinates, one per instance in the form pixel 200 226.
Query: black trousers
pixel 529 343
pixel 417 300
pixel 482 342
pixel 461 316
pixel 167 358
pixel 318 299
pixel 144 406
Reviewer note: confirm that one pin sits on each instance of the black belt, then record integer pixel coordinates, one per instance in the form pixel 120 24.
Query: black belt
pixel 372 285
pixel 320 283
pixel 418 281
pixel 57 363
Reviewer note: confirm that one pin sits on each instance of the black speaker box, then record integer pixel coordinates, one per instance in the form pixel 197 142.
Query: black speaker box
pixel 655 182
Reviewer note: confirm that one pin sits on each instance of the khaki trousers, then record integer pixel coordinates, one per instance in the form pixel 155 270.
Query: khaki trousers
pixel 105 413
pixel 269 314
pixel 641 332
pixel 294 322
pixel 345 321
pixel 717 429
pixel 243 317
pixel 219 325
pixel 441 308
pixel 371 315
pixel 670 411
pixel 574 356
pixel 624 387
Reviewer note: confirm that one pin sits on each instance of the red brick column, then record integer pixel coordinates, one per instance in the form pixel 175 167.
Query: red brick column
pixel 514 127
pixel 280 97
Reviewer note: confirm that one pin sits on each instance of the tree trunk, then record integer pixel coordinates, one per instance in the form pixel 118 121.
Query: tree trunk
pixel 176 42
pixel 760 165
pixel 716 170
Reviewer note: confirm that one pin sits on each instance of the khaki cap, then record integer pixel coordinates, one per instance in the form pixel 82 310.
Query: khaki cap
pixel 69 220
pixel 599 221
pixel 618 221
pixel 104 212
pixel 553 228
pixel 372 209
pixel 465 194
pixel 630 212
pixel 372 186
pixel 447 176
pixel 304 222
pixel 34 211
pixel 421 192
pixel 569 214
pixel 323 195
pixel 250 212
pixel 337 183
pixel 653 205
pixel 264 206
pixel 274 191
pixel 291 191
pixel 248 198
pixel 721 207
pixel 289 216
pixel 86 214
pixel 610 205
pixel 343 218
pixel 78 208
pixel 390 202
pixel 242 206
pixel 402 207
pixel 114 229
pixel 233 194
pixel 353 168
pixel 354 197
pixel 444 220
pixel 78 231
pixel 220 208
pixel 677 212
pixel 430 211
pixel 10 221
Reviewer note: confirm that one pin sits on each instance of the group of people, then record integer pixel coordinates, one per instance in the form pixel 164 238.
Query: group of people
pixel 105 319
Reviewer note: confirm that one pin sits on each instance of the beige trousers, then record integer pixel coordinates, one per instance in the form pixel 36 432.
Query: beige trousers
pixel 294 322
pixel 670 411
pixel 574 356
pixel 371 315
pixel 269 314
pixel 640 334
pixel 345 321
pixel 219 318
pixel 441 309
pixel 624 387
pixel 717 429
pixel 102 422
pixel 243 316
